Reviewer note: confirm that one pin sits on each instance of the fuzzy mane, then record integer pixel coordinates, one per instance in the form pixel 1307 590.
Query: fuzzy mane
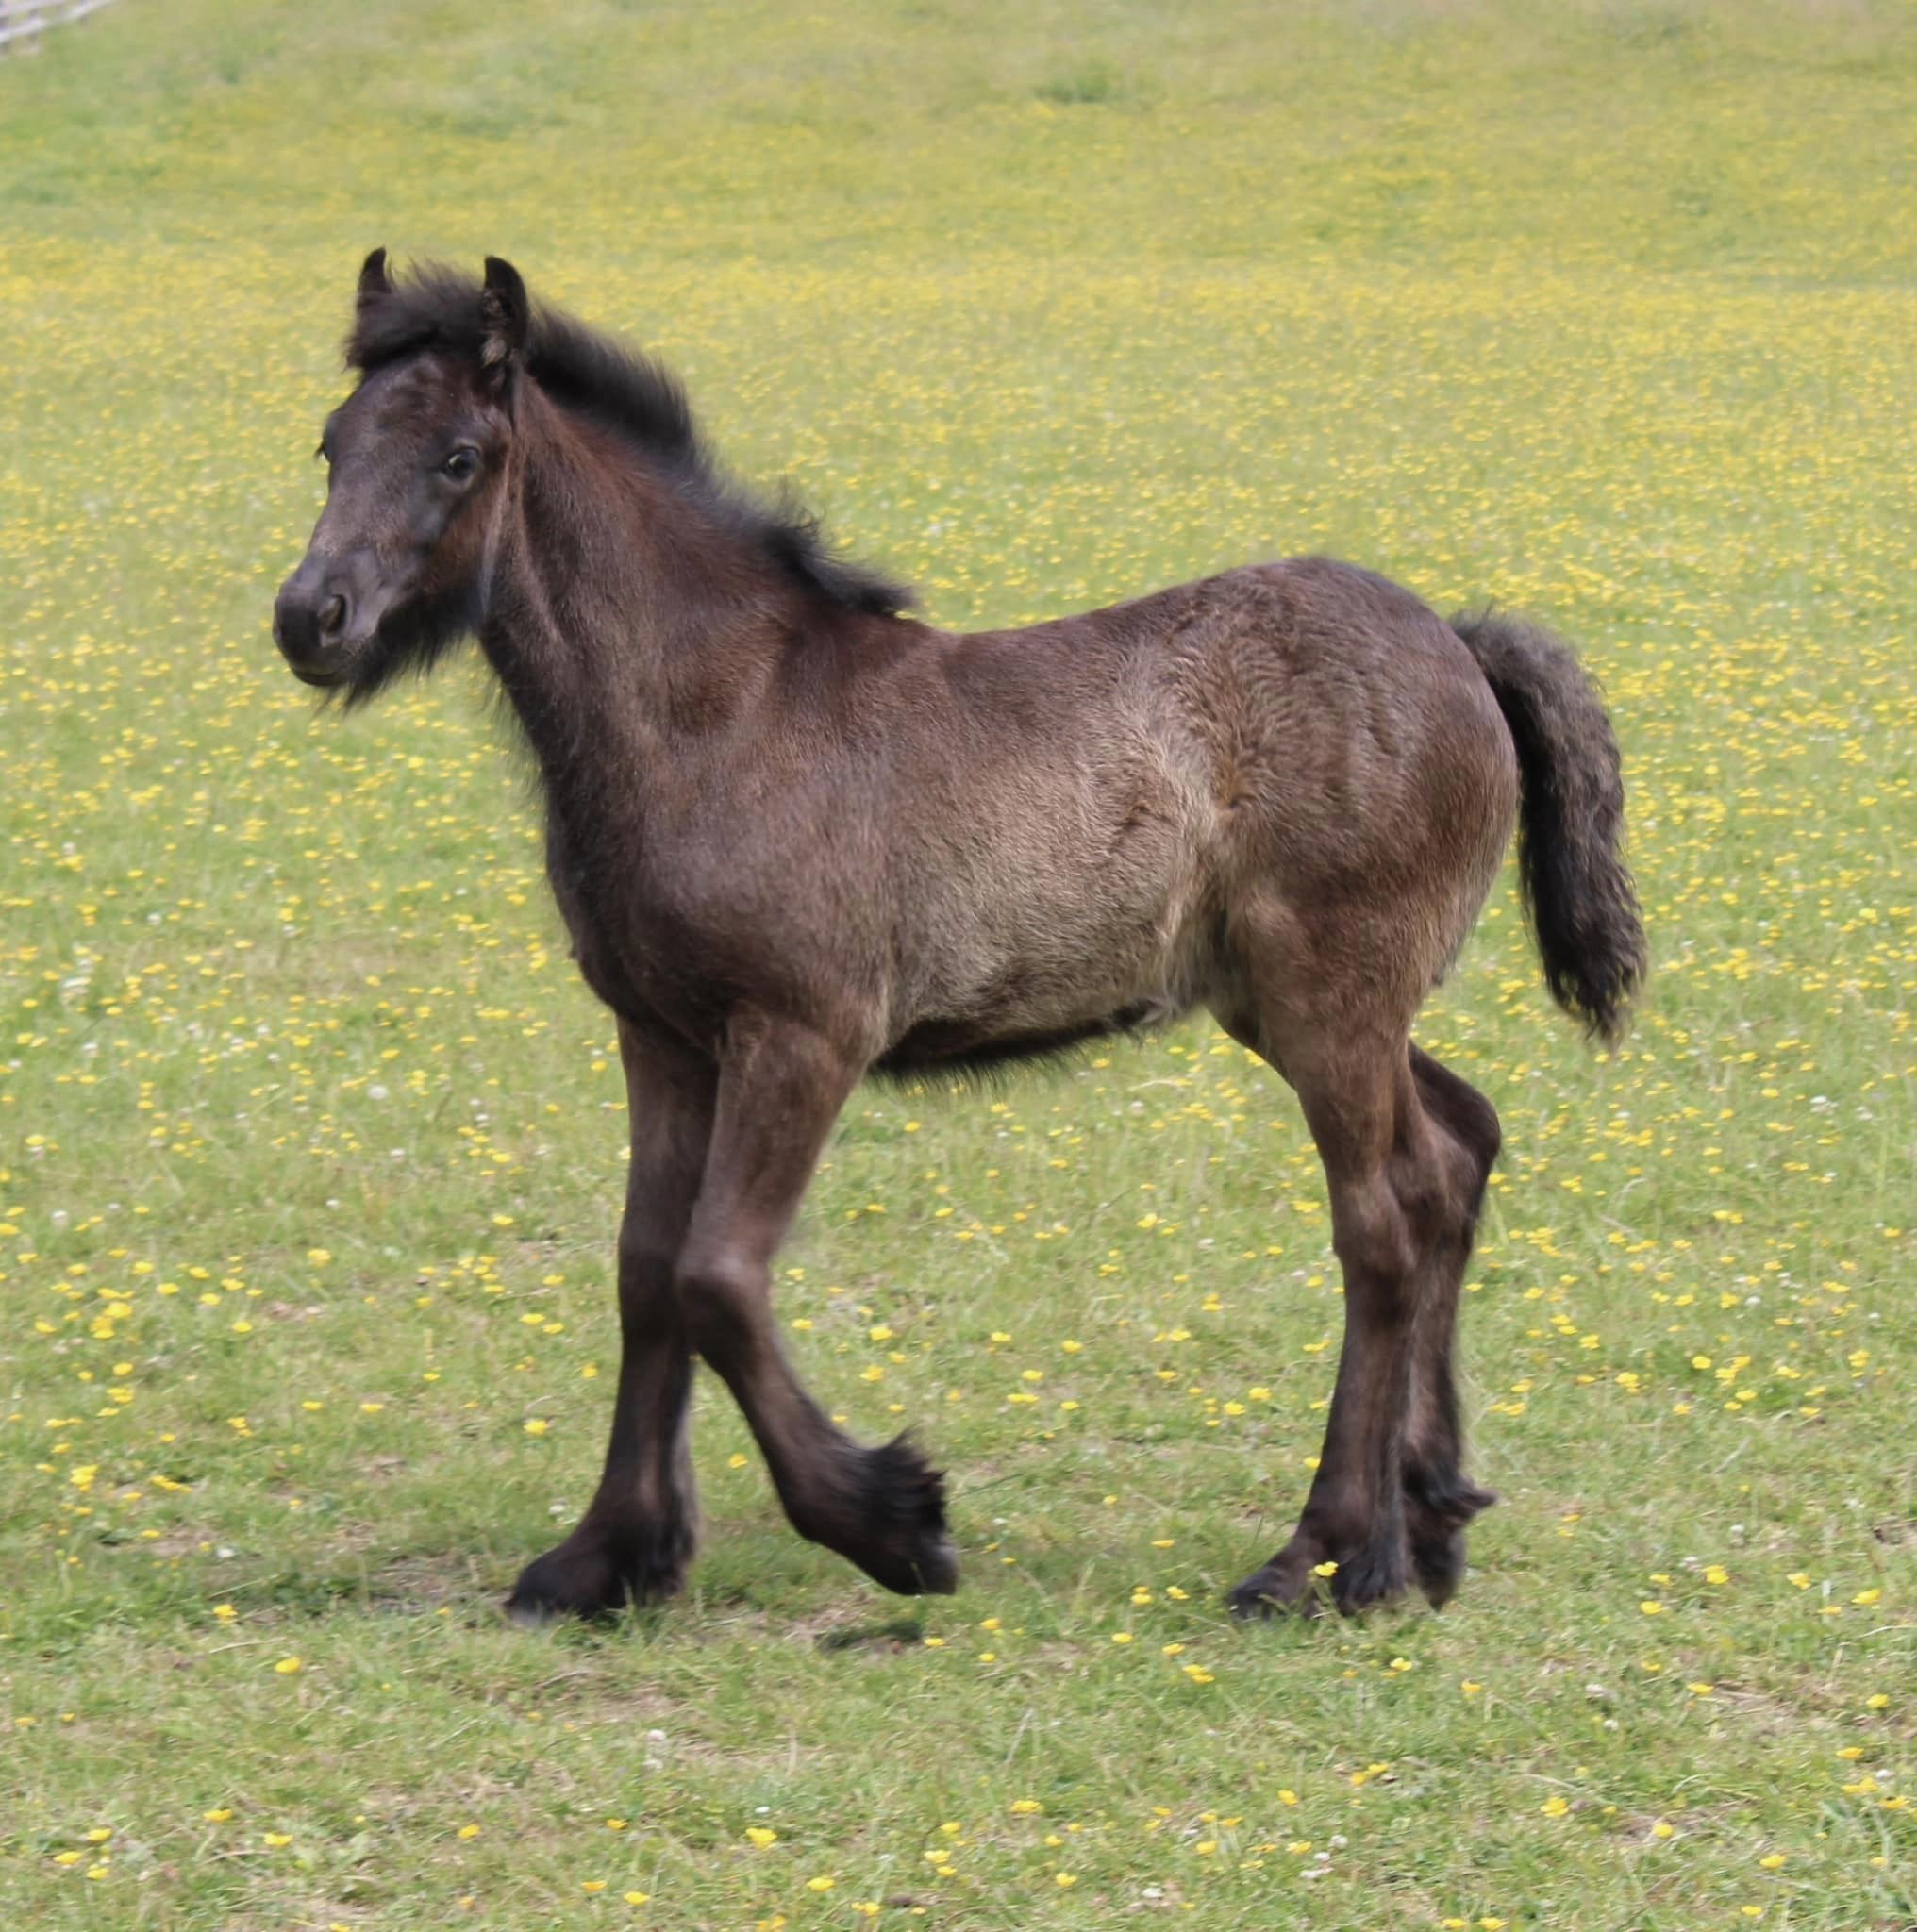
pixel 582 370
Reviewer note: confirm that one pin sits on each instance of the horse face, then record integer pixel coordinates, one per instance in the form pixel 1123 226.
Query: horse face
pixel 398 565
pixel 395 570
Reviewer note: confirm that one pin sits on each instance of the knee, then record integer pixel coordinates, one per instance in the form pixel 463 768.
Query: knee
pixel 720 1297
pixel 648 1310
pixel 645 1255
pixel 1374 1238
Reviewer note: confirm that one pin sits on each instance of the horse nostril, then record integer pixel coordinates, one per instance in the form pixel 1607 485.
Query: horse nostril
pixel 332 615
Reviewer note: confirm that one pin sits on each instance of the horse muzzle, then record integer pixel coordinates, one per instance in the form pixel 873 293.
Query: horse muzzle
pixel 323 619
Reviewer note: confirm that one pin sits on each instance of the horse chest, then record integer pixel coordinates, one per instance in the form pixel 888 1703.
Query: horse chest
pixel 648 952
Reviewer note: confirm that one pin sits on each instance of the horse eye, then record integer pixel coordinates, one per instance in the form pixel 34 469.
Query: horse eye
pixel 460 465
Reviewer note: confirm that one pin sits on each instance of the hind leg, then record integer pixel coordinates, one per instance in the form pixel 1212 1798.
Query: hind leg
pixel 1385 1166
pixel 1438 1499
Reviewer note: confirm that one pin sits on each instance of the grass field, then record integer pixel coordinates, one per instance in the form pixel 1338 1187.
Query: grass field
pixel 310 1143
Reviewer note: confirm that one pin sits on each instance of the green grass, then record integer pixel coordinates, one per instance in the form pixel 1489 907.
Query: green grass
pixel 310 1143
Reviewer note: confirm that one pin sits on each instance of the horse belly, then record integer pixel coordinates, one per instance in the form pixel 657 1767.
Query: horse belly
pixel 1048 971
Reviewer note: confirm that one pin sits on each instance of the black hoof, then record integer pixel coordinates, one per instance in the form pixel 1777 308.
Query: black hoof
pixel 596 1578
pixel 1376 1572
pixel 1439 1563
pixel 1292 1583
pixel 891 1523
pixel 1273 1593
pixel 1437 1507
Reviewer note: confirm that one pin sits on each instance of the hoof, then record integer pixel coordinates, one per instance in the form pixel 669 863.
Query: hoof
pixel 1272 1592
pixel 1289 1584
pixel 1439 1563
pixel 896 1522
pixel 1376 1573
pixel 594 1580
pixel 1436 1512
pixel 562 1584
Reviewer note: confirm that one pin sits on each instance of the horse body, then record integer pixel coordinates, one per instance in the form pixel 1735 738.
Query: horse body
pixel 797 836
pixel 1013 839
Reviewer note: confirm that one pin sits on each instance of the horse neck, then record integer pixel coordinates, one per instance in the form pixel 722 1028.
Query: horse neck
pixel 621 619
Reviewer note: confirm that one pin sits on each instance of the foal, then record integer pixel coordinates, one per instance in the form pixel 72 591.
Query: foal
pixel 796 836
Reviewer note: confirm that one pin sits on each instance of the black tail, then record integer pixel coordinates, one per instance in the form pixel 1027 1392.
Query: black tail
pixel 1583 907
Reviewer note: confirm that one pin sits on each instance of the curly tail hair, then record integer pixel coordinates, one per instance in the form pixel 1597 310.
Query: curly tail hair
pixel 1582 904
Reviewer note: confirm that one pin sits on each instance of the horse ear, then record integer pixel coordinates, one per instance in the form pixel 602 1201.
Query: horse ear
pixel 374 281
pixel 507 312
